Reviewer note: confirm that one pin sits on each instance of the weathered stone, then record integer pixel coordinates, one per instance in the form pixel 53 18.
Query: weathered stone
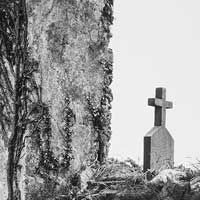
pixel 69 39
pixel 85 176
pixel 158 143
pixel 158 149
pixel 174 175
pixel 172 184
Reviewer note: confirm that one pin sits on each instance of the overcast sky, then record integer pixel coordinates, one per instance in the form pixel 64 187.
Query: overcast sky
pixel 156 43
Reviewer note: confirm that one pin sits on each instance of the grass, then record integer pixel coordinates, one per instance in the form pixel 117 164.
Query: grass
pixel 124 180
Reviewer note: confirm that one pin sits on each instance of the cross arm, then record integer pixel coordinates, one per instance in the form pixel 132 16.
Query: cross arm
pixel 169 104
pixel 155 102
pixel 159 102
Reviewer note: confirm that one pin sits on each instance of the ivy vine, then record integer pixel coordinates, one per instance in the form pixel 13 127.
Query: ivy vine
pixel 69 120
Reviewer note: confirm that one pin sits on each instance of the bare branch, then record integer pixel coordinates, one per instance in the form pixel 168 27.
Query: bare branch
pixel 5 98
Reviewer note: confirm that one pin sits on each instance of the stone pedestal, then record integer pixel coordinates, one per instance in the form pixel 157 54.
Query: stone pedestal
pixel 158 149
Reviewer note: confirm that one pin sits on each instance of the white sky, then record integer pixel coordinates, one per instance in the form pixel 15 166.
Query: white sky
pixel 156 43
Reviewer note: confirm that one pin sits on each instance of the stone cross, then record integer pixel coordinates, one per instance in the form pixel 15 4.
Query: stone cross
pixel 158 143
pixel 160 104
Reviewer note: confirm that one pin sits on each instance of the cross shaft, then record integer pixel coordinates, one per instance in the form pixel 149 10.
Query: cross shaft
pixel 160 104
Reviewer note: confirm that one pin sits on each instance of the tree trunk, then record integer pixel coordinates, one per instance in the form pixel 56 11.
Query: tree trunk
pixel 10 172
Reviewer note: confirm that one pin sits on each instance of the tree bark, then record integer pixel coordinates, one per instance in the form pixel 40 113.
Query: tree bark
pixel 20 52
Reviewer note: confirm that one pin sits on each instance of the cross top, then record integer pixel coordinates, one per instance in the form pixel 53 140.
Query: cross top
pixel 160 104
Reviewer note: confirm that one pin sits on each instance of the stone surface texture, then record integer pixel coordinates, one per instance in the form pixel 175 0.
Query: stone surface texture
pixel 69 40
pixel 161 148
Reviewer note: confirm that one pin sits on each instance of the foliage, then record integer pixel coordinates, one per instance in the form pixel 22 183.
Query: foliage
pixel 124 180
pixel 101 115
pixel 69 118
pixel 41 133
pixel 49 166
pixel 107 12
pixel 101 126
